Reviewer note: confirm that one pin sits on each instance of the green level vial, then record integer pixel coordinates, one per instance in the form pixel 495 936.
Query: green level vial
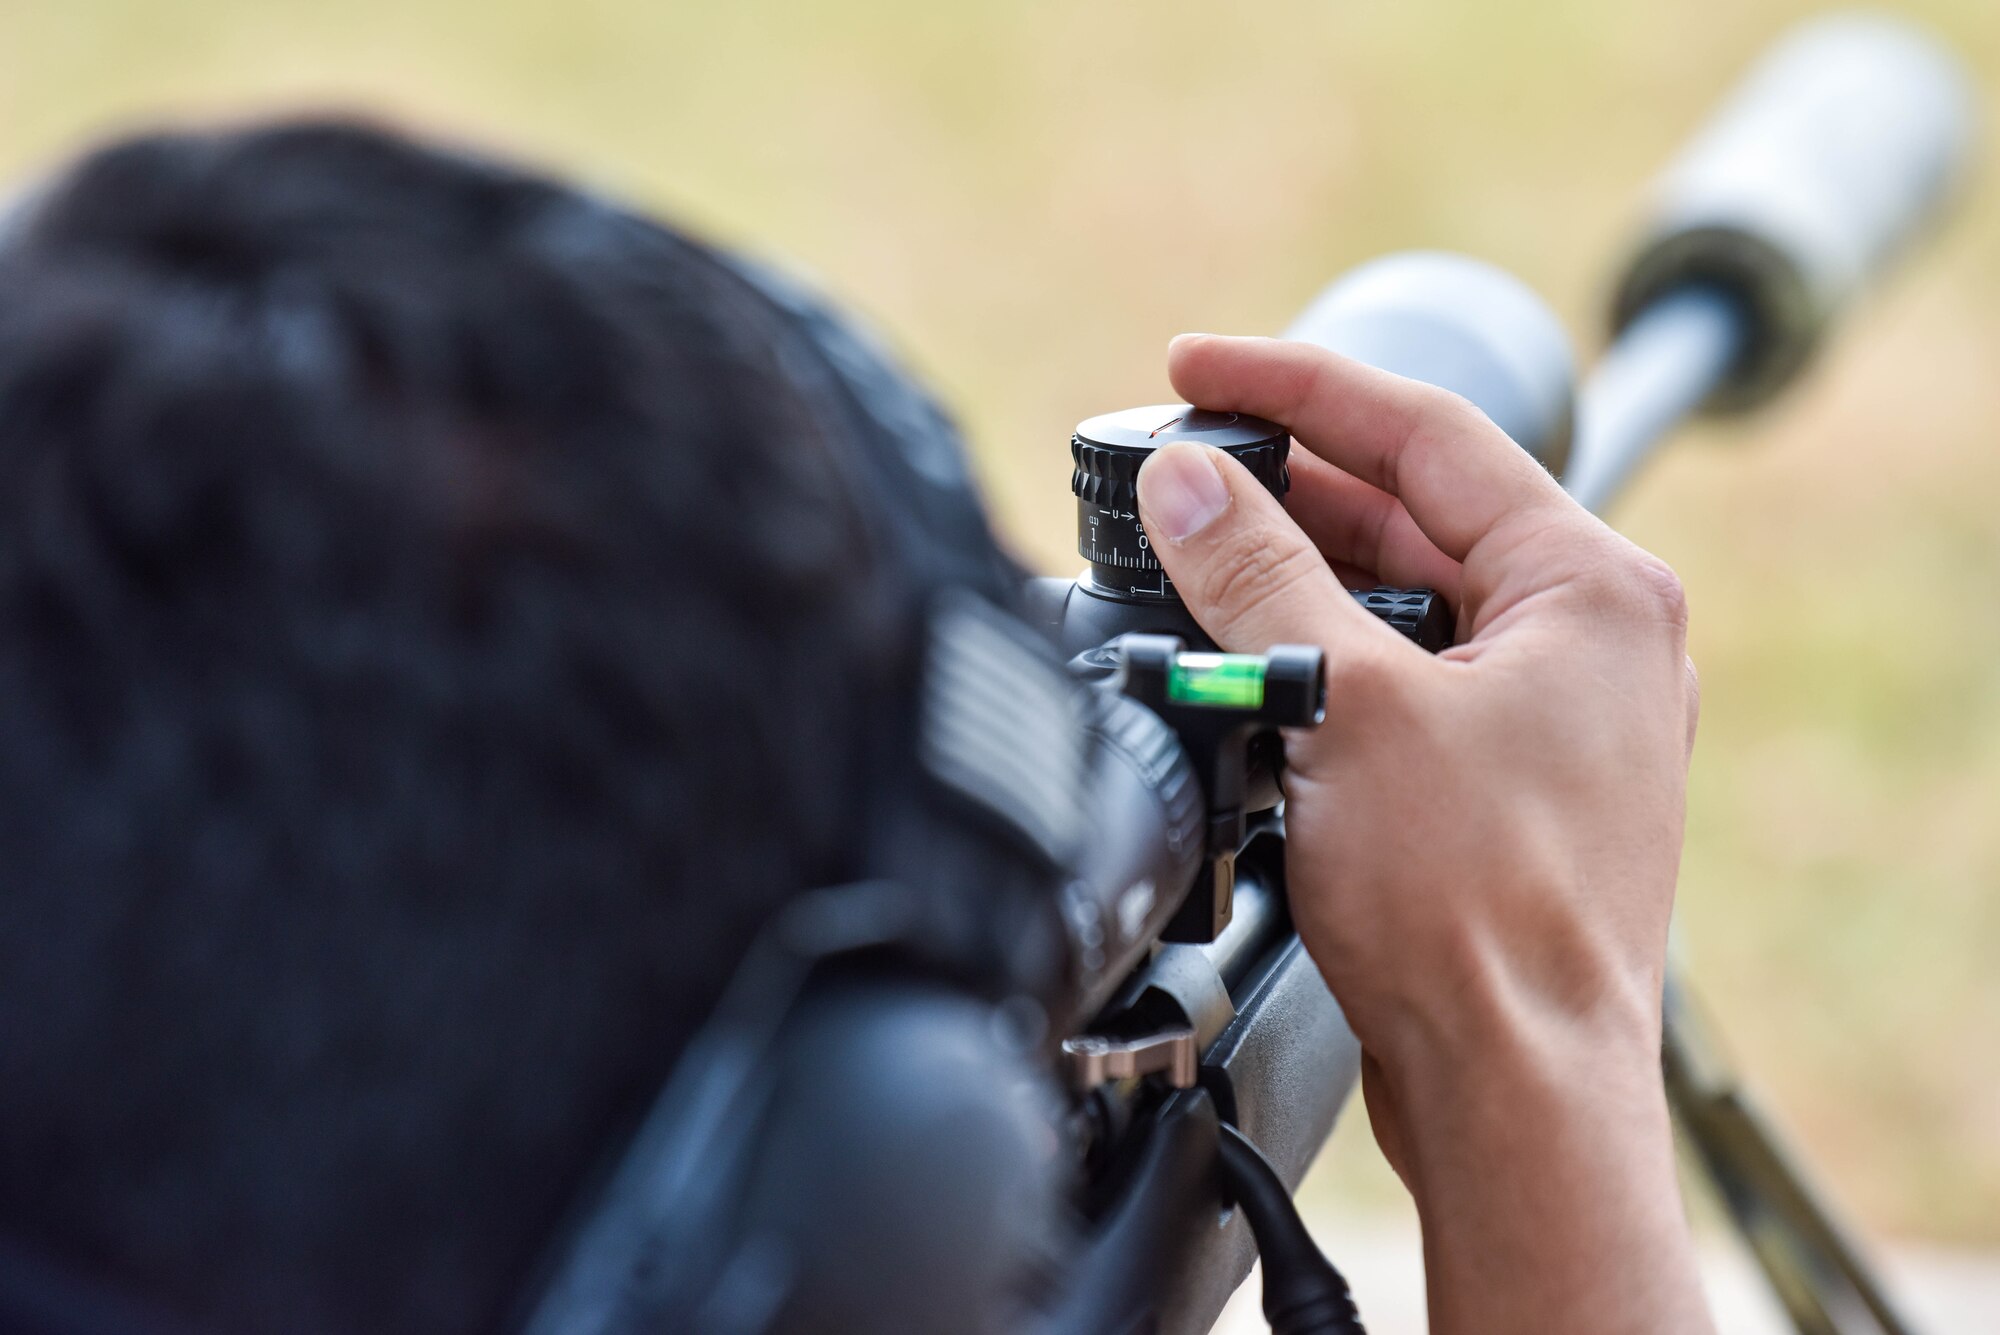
pixel 1222 681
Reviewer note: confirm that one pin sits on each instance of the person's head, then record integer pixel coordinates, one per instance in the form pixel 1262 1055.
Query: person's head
pixel 436 628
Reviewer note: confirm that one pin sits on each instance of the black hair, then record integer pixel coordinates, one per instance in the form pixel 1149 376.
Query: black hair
pixel 433 637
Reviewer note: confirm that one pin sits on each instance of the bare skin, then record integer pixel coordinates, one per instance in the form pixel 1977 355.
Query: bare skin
pixel 1483 844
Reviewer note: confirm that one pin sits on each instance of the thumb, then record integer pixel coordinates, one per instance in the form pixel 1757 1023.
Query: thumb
pixel 1248 573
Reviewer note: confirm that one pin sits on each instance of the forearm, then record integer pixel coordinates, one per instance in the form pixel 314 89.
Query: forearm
pixel 1542 1166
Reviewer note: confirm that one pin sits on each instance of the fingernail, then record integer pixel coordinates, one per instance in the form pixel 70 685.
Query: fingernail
pixel 1188 337
pixel 1180 491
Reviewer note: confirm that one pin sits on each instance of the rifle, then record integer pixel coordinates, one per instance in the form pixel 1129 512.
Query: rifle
pixel 1210 1062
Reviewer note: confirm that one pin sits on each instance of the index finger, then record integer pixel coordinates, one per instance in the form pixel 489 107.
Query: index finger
pixel 1460 477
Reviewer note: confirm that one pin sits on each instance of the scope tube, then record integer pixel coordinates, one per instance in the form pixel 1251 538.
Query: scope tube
pixel 1663 366
pixel 1146 824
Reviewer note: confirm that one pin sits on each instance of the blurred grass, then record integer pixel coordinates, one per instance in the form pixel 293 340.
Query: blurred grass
pixel 1033 196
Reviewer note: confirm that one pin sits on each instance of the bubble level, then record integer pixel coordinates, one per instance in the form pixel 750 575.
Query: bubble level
pixel 1224 681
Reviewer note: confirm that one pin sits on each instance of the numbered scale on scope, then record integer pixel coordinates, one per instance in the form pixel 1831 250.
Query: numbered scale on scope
pixel 1115 540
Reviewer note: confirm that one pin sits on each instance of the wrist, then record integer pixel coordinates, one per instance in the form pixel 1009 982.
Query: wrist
pixel 1552 1070
pixel 1577 1044
pixel 1482 1009
pixel 1544 1148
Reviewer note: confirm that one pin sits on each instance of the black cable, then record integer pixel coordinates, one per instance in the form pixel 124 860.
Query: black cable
pixel 1303 1293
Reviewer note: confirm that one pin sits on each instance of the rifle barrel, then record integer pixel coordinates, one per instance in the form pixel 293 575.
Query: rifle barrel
pixel 1661 368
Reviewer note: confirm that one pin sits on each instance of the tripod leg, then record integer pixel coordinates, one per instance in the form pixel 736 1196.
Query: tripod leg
pixel 1812 1265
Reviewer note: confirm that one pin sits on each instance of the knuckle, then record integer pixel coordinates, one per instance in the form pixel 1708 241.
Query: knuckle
pixel 1446 418
pixel 1250 569
pixel 1629 582
pixel 1660 591
pixel 1310 385
pixel 1460 413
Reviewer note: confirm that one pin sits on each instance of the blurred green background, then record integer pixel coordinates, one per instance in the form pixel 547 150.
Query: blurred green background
pixel 1033 196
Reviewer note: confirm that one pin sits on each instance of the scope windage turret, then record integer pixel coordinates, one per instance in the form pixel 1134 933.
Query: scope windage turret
pixel 1108 452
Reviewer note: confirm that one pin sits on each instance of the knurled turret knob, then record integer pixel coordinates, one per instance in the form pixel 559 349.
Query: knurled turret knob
pixel 1108 452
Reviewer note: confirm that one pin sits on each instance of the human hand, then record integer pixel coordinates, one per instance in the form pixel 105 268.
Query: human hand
pixel 1482 845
